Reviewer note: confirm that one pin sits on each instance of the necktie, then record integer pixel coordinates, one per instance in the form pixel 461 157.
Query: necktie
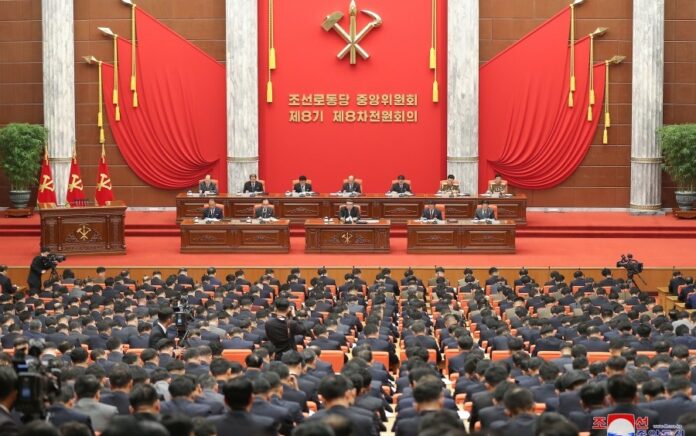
pixel 351 187
pixel 253 185
pixel 263 212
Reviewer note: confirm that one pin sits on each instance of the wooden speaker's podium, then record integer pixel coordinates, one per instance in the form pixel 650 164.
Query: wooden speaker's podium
pixel 84 229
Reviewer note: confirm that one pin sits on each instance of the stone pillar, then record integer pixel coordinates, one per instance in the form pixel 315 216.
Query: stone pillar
pixel 59 88
pixel 463 92
pixel 242 92
pixel 647 104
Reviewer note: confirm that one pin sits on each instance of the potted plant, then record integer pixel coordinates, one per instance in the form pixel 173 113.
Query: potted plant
pixel 21 147
pixel 679 153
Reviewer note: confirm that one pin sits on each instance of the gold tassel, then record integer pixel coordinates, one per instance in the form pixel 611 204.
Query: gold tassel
pixel 115 96
pixel 589 113
pixel 433 58
pixel 605 139
pixel 592 97
pixel 436 92
pixel 269 92
pixel 100 113
pixel 100 120
pixel 272 59
pixel 572 56
pixel 101 135
pixel 133 51
pixel 433 35
pixel 135 98
pixel 607 116
pixel 118 114
pixel 607 120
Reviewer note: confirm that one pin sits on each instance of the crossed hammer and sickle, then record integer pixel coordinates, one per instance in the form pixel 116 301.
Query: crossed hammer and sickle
pixel 353 37
pixel 104 182
pixel 75 183
pixel 46 184
pixel 347 237
pixel 83 232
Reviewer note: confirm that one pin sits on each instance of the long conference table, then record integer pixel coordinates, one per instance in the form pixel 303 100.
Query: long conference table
pixel 399 210
pixel 235 236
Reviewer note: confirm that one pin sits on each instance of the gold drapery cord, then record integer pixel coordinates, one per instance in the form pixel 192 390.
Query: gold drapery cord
pixel 100 113
pixel 133 82
pixel 571 102
pixel 592 91
pixel 433 53
pixel 271 53
pixel 607 117
pixel 117 116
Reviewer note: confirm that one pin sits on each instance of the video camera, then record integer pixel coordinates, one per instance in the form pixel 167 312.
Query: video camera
pixel 55 259
pixel 182 316
pixel 37 383
pixel 631 265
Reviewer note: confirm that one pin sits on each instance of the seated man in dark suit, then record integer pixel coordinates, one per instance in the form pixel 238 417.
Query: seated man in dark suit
pixel 212 211
pixel 351 186
pixel 349 213
pixel 253 186
pixel 265 211
pixel 623 392
pixel 302 186
pixel 519 405
pixel 238 420
pixel 207 185
pixel 485 212
pixel 401 187
pixel 431 212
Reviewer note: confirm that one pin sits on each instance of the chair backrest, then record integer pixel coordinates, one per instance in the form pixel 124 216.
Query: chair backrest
pixel 260 205
pixel 549 355
pixel 500 354
pixel 215 181
pixel 597 356
pixel 358 181
pixel 236 355
pixel 335 357
pixel 492 206
pixel 441 208
pixel 47 205
pixel 444 182
pixel 346 205
pixel 220 205
pixel 380 356
pixel 406 181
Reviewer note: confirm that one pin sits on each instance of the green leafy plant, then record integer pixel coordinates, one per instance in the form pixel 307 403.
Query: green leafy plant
pixel 21 149
pixel 678 144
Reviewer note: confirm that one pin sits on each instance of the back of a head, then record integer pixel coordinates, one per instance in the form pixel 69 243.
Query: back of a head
pixel 518 400
pixel 86 386
pixel 333 387
pixel 39 428
pixel 313 428
pixel 622 388
pixel 143 395
pixel 238 393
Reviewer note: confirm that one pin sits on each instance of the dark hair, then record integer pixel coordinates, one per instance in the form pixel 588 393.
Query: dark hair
pixel 143 395
pixel 39 428
pixel 8 381
pixel 333 386
pixel 592 394
pixel 164 314
pixel 314 428
pixel 427 391
pixel 75 429
pixel 518 400
pixel 181 387
pixel 86 386
pixel 622 388
pixel 238 393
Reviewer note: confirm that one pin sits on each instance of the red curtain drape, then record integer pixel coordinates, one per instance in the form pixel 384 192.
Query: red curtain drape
pixel 527 131
pixel 178 134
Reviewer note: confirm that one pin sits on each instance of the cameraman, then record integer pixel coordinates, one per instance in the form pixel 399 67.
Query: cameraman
pixel 39 265
pixel 8 395
pixel 159 329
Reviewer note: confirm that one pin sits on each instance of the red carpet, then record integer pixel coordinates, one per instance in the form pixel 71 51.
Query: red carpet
pixel 557 252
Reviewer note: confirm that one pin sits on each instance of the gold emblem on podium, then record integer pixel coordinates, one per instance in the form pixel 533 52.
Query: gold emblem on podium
pixel 347 237
pixel 84 232
pixel 352 37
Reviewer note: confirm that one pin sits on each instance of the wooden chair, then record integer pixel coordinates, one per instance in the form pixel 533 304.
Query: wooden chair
pixel 597 356
pixel 342 205
pixel 441 208
pixel 237 355
pixel 492 206
pixel 214 181
pixel 549 355
pixel 500 354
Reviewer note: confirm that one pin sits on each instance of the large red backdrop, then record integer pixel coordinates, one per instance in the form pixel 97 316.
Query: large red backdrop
pixel 327 151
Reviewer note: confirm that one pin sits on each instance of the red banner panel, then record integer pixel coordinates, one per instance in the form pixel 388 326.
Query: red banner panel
pixel 374 119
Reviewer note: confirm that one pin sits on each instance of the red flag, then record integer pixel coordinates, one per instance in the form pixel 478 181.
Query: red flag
pixel 104 194
pixel 76 189
pixel 47 189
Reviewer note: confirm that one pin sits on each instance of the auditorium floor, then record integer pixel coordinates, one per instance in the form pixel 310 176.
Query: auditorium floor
pixel 531 252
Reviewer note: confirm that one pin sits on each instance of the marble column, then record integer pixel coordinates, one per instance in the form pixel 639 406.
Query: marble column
pixel 463 92
pixel 59 88
pixel 647 104
pixel 242 92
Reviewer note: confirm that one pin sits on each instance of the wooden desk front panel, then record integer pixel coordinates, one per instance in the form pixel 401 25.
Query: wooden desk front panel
pixel 461 238
pixel 84 230
pixel 344 238
pixel 235 237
